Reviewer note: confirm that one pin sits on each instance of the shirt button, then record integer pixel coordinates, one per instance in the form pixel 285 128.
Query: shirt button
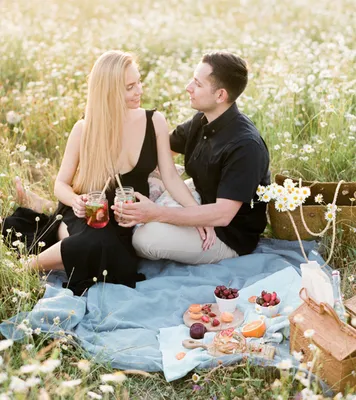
pixel 204 137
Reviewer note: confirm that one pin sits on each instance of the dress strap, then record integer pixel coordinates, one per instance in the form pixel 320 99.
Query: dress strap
pixel 150 139
pixel 149 113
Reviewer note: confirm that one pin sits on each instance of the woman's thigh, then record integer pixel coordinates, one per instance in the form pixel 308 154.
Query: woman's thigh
pixel 62 231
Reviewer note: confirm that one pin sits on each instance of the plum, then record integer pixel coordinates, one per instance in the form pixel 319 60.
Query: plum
pixel 197 331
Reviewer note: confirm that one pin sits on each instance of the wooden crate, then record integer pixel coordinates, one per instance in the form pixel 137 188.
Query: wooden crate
pixel 336 340
pixel 313 213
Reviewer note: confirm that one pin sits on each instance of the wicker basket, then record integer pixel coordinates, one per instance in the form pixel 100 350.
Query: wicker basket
pixel 336 364
pixel 314 213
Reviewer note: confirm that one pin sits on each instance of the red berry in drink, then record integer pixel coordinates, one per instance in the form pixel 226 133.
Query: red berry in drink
pixel 226 292
pixel 230 296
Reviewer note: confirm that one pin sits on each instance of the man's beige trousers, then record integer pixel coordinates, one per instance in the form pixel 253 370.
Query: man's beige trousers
pixel 157 240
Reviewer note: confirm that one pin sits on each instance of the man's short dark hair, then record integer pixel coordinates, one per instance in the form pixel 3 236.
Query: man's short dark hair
pixel 229 73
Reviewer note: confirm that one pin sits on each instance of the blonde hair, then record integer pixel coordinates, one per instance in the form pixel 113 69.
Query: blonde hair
pixel 100 145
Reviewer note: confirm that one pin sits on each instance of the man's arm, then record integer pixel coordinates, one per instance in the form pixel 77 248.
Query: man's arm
pixel 216 214
pixel 220 213
pixel 240 176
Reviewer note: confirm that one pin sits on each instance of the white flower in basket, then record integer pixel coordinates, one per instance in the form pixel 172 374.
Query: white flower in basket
pixel 288 198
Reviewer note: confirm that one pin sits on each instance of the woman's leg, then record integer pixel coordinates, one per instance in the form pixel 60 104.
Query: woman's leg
pixel 28 199
pixel 50 259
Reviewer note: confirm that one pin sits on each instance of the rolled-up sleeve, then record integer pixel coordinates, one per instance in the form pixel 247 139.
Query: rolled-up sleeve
pixel 178 138
pixel 242 172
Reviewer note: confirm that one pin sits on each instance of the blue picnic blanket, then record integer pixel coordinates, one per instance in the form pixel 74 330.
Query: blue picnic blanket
pixel 143 328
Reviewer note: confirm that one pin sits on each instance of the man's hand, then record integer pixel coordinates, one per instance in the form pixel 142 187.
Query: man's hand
pixel 208 236
pixel 141 212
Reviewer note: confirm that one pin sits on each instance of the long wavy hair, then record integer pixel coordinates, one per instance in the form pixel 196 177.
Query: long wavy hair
pixel 105 109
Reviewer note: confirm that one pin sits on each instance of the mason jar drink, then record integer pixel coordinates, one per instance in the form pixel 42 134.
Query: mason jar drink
pixel 126 196
pixel 96 210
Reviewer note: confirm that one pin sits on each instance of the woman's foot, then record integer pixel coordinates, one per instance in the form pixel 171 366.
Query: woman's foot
pixel 28 199
pixel 21 194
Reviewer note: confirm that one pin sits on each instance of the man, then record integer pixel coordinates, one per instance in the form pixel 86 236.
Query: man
pixel 227 159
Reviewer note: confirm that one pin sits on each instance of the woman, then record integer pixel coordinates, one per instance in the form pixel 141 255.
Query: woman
pixel 115 137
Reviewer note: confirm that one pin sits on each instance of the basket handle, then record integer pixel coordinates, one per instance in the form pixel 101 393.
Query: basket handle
pixel 326 308
pixel 323 307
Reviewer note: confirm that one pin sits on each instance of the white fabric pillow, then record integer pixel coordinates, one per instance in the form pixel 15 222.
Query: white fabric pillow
pixel 167 200
pixel 156 185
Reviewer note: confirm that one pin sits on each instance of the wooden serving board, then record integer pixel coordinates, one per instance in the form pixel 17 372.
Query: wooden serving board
pixel 265 350
pixel 237 321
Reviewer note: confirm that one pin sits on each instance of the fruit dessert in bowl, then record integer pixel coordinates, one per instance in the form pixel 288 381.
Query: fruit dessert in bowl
pixel 226 298
pixel 268 304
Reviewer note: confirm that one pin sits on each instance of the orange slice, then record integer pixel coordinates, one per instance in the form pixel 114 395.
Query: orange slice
pixel 254 329
pixel 252 299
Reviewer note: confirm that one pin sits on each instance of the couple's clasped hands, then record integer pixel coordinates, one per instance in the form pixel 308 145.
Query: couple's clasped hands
pixel 145 210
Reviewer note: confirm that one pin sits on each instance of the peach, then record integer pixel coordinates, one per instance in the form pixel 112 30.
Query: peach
pixel 227 317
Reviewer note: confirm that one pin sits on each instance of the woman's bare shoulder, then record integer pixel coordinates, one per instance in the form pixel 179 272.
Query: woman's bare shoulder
pixel 159 122
pixel 77 129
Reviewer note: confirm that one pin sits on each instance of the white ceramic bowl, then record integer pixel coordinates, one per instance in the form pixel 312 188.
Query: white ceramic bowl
pixel 226 305
pixel 269 312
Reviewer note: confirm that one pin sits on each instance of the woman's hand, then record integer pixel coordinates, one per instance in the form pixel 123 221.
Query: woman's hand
pixel 208 236
pixel 78 205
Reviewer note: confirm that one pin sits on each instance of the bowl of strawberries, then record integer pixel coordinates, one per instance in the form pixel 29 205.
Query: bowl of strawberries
pixel 268 304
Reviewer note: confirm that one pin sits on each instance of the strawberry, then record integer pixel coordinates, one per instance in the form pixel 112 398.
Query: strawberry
pixel 274 296
pixel 277 301
pixel 205 318
pixel 100 214
pixel 263 305
pixel 267 297
pixel 272 303
pixel 215 322
pixel 212 315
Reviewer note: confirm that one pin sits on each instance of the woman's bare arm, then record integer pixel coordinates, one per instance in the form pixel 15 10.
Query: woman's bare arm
pixel 63 185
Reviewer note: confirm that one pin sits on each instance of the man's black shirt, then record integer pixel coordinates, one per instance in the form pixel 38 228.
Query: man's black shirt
pixel 227 159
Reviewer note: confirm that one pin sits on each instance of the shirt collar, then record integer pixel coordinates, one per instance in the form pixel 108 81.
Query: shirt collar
pixel 221 121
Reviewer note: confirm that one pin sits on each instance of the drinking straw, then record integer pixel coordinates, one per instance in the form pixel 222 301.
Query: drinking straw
pixel 119 183
pixel 105 187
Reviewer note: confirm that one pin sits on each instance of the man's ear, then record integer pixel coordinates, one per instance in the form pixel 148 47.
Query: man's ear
pixel 221 96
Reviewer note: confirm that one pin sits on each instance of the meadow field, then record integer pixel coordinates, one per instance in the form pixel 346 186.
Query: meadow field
pixel 301 95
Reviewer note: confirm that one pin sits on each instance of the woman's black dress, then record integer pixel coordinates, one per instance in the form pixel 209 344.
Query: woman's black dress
pixel 88 252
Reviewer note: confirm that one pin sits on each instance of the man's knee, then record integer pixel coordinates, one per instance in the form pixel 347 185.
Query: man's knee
pixel 146 240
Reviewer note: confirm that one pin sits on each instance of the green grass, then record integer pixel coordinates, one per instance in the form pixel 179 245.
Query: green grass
pixel 301 92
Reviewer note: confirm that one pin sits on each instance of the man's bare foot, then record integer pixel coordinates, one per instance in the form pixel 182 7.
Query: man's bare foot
pixel 28 199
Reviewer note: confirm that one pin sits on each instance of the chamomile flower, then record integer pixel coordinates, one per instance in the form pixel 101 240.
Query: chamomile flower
pixel 329 216
pixel 309 333
pixel 318 198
